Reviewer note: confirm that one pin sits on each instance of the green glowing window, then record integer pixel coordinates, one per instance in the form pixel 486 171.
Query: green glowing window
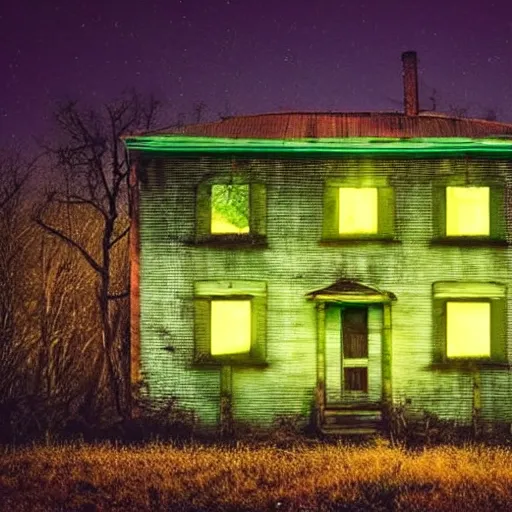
pixel 468 329
pixel 358 212
pixel 230 327
pixel 469 321
pixel 467 211
pixel 230 322
pixel 231 210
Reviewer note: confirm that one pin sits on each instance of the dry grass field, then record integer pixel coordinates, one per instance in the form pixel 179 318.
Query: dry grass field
pixel 203 478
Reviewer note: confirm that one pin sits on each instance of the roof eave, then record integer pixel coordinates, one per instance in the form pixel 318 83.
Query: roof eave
pixel 349 145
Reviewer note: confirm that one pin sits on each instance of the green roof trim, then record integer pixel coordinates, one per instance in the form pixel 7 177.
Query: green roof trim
pixel 349 145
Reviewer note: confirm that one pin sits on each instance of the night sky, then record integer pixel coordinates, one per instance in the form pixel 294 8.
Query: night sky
pixel 246 56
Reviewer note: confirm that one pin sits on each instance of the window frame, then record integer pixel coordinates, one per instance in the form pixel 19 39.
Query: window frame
pixel 386 212
pixel 208 291
pixel 257 235
pixel 453 291
pixel 497 219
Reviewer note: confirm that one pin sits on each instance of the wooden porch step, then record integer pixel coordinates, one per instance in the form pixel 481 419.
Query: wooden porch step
pixel 353 412
pixel 352 421
pixel 351 417
pixel 362 406
pixel 337 430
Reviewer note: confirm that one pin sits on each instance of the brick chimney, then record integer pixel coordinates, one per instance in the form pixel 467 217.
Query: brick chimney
pixel 410 77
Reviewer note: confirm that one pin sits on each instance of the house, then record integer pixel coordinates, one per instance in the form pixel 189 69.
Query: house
pixel 325 265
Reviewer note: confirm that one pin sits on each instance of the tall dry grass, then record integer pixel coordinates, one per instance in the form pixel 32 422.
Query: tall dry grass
pixel 325 478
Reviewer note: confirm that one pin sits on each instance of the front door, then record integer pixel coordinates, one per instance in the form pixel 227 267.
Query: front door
pixel 354 353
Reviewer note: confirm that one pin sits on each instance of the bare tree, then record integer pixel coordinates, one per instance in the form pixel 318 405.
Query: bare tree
pixel 16 236
pixel 95 171
pixel 14 173
pixel 14 243
pixel 66 330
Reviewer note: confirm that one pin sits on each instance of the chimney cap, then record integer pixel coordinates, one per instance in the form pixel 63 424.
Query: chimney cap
pixel 409 54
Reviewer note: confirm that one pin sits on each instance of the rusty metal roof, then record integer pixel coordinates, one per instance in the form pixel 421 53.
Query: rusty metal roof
pixel 311 125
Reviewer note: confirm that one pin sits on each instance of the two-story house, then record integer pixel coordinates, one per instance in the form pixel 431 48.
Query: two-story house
pixel 337 263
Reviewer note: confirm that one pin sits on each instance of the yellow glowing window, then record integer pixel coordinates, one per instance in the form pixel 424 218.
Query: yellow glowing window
pixel 468 329
pixel 358 210
pixel 230 327
pixel 467 211
pixel 230 209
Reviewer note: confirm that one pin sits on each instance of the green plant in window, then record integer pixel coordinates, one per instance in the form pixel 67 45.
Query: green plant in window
pixel 230 208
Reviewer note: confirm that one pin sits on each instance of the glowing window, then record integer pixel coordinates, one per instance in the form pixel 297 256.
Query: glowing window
pixel 358 210
pixel 230 209
pixel 467 211
pixel 230 326
pixel 468 329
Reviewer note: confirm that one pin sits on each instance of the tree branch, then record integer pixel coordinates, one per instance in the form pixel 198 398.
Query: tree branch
pixel 119 237
pixel 59 234
pixel 13 165
pixel 118 296
pixel 76 199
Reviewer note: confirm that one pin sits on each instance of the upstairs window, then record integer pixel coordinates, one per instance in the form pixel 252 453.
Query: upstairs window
pixel 467 211
pixel 358 212
pixel 230 209
pixel 231 213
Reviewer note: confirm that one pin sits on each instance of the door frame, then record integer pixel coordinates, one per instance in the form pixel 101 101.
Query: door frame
pixel 349 292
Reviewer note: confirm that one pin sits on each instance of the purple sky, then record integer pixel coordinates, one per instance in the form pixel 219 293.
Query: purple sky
pixel 246 56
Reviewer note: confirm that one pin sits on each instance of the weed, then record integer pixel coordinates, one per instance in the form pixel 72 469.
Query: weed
pixel 197 477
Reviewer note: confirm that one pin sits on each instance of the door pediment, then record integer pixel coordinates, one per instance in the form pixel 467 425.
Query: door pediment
pixel 349 291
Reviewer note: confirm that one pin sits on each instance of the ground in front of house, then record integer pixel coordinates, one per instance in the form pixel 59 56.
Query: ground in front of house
pixel 320 478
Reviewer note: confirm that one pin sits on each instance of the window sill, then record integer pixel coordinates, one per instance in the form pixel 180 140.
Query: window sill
pixel 245 241
pixel 468 241
pixel 468 365
pixel 217 362
pixel 354 239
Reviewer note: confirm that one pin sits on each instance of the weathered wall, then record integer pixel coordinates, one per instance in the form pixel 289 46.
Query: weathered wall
pixel 295 263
